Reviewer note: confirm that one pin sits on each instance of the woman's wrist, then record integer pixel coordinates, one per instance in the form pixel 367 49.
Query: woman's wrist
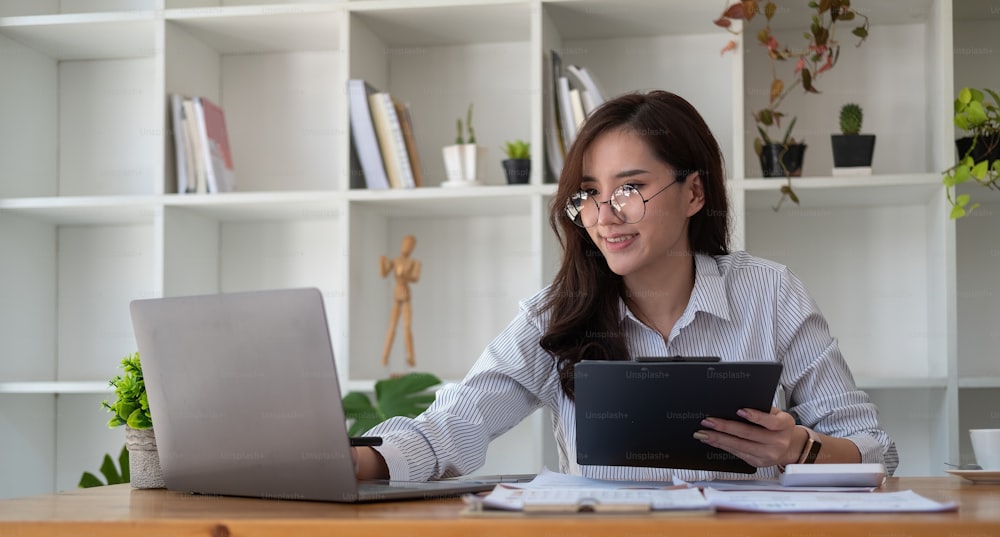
pixel 370 464
pixel 800 437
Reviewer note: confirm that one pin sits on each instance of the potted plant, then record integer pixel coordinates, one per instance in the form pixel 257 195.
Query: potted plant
pixel 131 409
pixel 978 150
pixel 463 160
pixel 517 165
pixel 852 151
pixel 818 55
pixel 404 395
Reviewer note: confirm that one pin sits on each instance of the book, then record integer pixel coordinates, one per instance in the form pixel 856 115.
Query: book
pixel 390 139
pixel 196 165
pixel 406 122
pixel 554 150
pixel 219 168
pixel 364 140
pixel 180 144
pixel 566 112
pixel 585 81
pixel 577 104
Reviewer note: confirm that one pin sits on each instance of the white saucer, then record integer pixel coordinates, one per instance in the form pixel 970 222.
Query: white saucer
pixel 978 476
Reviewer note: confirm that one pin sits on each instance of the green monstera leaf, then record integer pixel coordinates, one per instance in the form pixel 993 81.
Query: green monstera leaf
pixel 406 395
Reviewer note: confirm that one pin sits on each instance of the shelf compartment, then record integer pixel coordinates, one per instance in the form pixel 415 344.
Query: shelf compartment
pixel 843 192
pixel 632 45
pixel 978 293
pixel 909 34
pixel 439 60
pixel 475 269
pixel 77 106
pixel 274 76
pixel 876 299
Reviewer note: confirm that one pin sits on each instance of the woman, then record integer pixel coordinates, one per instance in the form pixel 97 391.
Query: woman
pixel 642 214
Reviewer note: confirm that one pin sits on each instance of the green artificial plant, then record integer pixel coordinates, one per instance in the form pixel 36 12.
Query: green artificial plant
pixel 112 475
pixel 979 119
pixel 131 406
pixel 851 117
pixel 517 149
pixel 468 125
pixel 405 395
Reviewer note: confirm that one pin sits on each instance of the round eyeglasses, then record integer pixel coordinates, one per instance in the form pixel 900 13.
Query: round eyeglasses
pixel 626 203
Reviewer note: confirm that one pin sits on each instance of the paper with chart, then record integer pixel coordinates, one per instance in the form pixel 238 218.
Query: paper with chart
pixel 824 502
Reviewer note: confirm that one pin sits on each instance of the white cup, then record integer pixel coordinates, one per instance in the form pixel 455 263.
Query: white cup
pixel 986 446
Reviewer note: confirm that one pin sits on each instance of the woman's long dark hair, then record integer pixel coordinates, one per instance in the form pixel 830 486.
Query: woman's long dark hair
pixel 584 298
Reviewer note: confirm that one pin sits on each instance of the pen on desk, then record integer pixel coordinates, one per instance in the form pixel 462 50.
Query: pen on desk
pixel 358 441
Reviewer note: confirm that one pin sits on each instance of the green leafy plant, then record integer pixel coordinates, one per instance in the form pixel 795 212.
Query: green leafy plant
pixel 517 149
pixel 112 475
pixel 468 125
pixel 851 117
pixel 405 395
pixel 131 406
pixel 817 55
pixel 980 119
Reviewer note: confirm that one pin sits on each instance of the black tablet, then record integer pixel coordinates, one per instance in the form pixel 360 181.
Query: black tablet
pixel 646 413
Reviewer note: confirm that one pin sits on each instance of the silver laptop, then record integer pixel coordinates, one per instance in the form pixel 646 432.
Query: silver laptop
pixel 245 400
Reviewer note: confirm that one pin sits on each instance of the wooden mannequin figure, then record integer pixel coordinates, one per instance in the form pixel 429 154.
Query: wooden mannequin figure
pixel 407 271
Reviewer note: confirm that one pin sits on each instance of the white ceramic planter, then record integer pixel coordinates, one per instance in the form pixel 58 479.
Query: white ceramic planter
pixel 143 459
pixel 463 164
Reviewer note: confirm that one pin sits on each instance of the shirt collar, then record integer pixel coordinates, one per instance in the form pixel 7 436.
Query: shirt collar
pixel 708 295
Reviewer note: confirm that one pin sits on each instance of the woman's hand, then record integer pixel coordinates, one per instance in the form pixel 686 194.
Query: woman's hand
pixel 776 441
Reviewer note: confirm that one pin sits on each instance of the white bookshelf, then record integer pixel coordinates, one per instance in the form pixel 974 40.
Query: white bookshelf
pixel 90 218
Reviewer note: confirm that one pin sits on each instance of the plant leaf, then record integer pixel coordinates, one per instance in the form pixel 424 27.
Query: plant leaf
pixel 88 480
pixel 123 463
pixel 109 471
pixel 777 86
pixel 980 169
pixel 957 212
pixel 962 200
pixel 403 396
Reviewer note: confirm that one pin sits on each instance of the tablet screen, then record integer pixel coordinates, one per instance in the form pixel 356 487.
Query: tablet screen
pixel 646 413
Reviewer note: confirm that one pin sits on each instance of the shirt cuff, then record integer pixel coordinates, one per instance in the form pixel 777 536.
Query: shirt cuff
pixel 871 449
pixel 395 461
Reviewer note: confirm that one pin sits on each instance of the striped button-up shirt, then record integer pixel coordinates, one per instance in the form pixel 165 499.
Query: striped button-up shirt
pixel 741 308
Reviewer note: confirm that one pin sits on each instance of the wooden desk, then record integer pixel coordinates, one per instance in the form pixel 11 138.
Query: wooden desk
pixel 119 510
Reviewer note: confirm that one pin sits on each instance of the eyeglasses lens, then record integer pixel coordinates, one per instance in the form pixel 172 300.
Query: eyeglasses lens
pixel 626 203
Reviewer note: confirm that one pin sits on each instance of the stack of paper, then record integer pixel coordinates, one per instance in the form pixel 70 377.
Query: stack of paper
pixel 552 492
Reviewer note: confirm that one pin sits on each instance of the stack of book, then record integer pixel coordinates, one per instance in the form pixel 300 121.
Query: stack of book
pixel 383 145
pixel 575 94
pixel 204 161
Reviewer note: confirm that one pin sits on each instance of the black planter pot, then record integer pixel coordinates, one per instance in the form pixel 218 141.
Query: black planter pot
pixel 852 150
pixel 518 170
pixel 778 160
pixel 979 153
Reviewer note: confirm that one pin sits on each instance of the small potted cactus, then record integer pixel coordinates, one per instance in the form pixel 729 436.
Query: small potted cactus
pixel 852 151
pixel 464 160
